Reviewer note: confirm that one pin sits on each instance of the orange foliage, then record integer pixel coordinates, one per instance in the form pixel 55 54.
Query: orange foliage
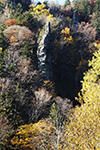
pixel 22 22
pixel 97 41
pixel 35 136
pixel 9 22
pixel 66 35
pixel 92 3
pixel 17 34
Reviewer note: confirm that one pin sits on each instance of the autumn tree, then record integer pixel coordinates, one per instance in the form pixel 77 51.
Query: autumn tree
pixel 9 22
pixel 66 35
pixel 41 13
pixel 83 130
pixel 41 135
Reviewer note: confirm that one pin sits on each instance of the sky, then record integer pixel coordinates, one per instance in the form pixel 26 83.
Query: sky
pixel 61 2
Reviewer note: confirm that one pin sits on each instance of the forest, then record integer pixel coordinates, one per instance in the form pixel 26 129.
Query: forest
pixel 49 75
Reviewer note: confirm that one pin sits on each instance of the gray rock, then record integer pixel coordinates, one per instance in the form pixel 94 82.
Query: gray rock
pixel 43 52
pixel 75 19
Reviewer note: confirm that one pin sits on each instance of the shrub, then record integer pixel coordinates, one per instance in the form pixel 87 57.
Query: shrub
pixel 88 32
pixel 29 52
pixel 9 22
pixel 3 43
pixel 5 133
pixel 41 135
pixel 49 85
pixel 66 34
pixel 1 62
pixel 13 35
pixel 9 107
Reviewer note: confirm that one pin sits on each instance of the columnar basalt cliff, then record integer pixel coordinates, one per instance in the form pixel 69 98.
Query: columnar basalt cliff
pixel 44 52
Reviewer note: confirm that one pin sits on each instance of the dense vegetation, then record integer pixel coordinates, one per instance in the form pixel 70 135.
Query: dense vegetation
pixel 62 113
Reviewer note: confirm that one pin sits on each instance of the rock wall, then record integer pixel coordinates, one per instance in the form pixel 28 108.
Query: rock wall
pixel 75 19
pixel 44 52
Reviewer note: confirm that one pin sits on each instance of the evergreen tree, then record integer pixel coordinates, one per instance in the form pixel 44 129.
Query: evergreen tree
pixel 25 3
pixel 96 19
pixel 84 9
pixel 67 2
pixel 3 43
pixel 96 22
pixel 17 13
pixel 97 6
pixel 1 6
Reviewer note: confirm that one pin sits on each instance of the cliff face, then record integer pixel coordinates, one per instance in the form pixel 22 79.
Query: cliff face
pixel 44 52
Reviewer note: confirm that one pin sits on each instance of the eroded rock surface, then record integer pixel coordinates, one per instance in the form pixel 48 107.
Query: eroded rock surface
pixel 44 52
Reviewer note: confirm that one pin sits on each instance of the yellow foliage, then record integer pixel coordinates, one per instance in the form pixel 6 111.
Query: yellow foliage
pixel 70 39
pixel 65 38
pixel 97 45
pixel 12 39
pixel 66 31
pixel 49 85
pixel 1 1
pixel 66 35
pixel 0 48
pixel 41 13
pixel 17 33
pixel 9 22
pixel 83 131
pixel 32 136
